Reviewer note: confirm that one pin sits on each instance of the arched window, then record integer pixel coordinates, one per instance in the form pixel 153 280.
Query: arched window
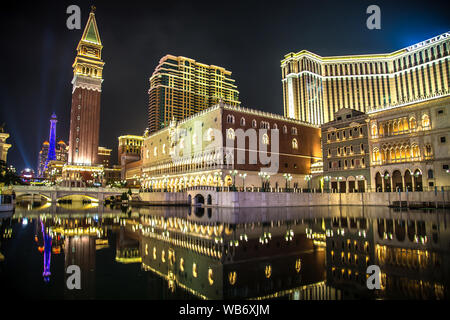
pixel 376 155
pixel 428 150
pixel 412 123
pixel 294 130
pixel 230 118
pixel 275 126
pixel 294 144
pixel 254 125
pixel 242 121
pixel 425 121
pixel 155 151
pixel 415 151
pixel 230 134
pixel 284 129
pixel 374 130
pixel 430 174
pixel 265 138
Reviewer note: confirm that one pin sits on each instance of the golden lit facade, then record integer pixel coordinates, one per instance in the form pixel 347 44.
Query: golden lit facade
pixel 180 87
pixel 129 151
pixel 315 87
pixel 206 159
pixel 409 147
pixel 3 145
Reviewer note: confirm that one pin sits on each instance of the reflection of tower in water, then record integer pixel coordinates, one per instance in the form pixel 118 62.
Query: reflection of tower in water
pixel 80 251
pixel 47 252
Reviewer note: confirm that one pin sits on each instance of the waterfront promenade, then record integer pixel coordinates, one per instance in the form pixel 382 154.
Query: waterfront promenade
pixel 224 197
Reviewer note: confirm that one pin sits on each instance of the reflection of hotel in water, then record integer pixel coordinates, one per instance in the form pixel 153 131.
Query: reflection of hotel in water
pixel 230 261
pixel 409 247
pixel 302 253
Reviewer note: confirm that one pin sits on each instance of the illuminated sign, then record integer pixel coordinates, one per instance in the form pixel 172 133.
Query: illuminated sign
pixel 429 41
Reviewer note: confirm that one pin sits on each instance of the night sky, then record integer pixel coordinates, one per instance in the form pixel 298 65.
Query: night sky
pixel 248 38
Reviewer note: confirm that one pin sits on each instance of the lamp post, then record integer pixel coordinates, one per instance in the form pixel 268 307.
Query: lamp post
pixel 233 173
pixel 217 175
pixel 165 180
pixel 327 180
pixel 265 177
pixel 243 175
pixel 288 178
pixel 308 178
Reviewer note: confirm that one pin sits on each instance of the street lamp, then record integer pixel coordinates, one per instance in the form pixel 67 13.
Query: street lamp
pixel 217 175
pixel 233 173
pixel 308 178
pixel 243 175
pixel 288 178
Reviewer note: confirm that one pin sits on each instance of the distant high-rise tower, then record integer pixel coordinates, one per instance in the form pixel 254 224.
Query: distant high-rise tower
pixel 52 140
pixel 87 87
pixel 180 87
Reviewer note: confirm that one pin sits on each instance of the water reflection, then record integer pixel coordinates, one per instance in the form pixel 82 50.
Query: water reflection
pixel 178 253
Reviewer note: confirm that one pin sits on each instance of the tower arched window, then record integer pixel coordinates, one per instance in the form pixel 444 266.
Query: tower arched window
pixel 294 144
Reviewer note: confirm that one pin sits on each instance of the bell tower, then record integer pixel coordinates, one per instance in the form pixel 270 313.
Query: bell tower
pixel 86 91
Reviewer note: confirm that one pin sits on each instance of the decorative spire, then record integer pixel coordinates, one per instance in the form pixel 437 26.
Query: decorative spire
pixel 93 9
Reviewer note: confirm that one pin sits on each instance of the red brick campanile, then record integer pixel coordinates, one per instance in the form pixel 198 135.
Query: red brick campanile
pixel 87 87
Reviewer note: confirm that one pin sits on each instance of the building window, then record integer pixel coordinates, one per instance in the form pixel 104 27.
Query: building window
pixel 442 139
pixel 275 126
pixel 294 131
pixel 412 123
pixel 230 118
pixel 243 122
pixel 425 121
pixel 155 151
pixel 445 167
pixel 265 138
pixel 430 174
pixel 374 130
pixel 254 125
pixel 230 134
pixel 294 144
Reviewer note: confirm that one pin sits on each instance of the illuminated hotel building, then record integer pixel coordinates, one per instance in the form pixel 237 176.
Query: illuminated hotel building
pixel 129 153
pixel 315 87
pixel 180 87
pixel 208 149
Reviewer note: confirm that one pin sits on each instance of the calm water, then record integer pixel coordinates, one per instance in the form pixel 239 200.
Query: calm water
pixel 177 253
